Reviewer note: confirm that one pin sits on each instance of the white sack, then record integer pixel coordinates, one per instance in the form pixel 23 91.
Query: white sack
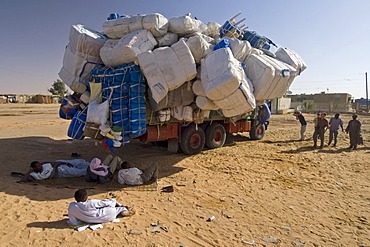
pixel 242 97
pixel 167 40
pixel 183 95
pixel 199 47
pixel 156 23
pixel 167 68
pixel 85 40
pixel 116 52
pixel 176 112
pixel 155 79
pixel 206 104
pixel 198 88
pixel 221 74
pixel 213 29
pixel 292 58
pixel 76 69
pixel 240 48
pixel 270 77
pixel 186 25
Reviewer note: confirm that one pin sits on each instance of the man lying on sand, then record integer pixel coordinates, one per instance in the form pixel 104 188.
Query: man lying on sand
pixel 57 169
pixel 135 176
pixel 95 211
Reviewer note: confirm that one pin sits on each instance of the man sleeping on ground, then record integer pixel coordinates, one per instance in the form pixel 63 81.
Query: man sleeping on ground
pixel 57 169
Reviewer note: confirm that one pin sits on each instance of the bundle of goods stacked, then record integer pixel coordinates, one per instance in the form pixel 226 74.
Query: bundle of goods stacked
pixel 153 70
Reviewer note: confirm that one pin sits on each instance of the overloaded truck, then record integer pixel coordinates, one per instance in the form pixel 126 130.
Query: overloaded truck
pixel 176 80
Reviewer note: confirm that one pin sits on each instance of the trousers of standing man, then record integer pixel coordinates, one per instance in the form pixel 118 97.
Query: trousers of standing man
pixel 320 133
pixel 333 134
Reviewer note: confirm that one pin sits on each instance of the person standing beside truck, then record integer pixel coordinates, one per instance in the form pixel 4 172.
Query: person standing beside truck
pixel 334 124
pixel 303 123
pixel 322 125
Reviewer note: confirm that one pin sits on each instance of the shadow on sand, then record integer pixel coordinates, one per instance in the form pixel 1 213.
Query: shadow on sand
pixel 59 224
pixel 17 153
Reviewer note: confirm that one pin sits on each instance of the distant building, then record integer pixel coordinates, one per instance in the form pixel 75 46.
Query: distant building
pixel 24 98
pixel 281 105
pixel 328 102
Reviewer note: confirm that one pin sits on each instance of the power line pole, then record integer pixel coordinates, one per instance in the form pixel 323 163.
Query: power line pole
pixel 367 94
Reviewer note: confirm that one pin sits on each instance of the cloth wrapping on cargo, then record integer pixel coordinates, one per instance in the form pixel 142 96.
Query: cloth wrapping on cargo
pixel 156 23
pixel 199 47
pixel 186 25
pixel 205 104
pixel 85 40
pixel 240 48
pixel 127 108
pixel 292 58
pixel 213 29
pixel 270 77
pixel 119 51
pixel 198 88
pixel 168 39
pixel 182 113
pixel 181 96
pixel 221 74
pixel 80 57
pixel 167 68
pixel 75 72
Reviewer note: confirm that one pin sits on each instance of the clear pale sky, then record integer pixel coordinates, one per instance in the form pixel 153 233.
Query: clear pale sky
pixel 333 37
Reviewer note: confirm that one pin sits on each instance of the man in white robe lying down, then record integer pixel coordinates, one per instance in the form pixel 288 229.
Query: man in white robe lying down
pixel 57 169
pixel 95 211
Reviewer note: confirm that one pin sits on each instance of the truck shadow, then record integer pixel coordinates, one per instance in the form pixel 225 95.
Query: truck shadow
pixel 17 153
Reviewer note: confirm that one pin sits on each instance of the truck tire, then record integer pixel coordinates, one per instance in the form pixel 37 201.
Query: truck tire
pixel 192 140
pixel 173 145
pixel 257 132
pixel 215 136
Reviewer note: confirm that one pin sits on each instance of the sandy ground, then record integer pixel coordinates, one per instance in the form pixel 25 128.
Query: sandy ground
pixel 273 192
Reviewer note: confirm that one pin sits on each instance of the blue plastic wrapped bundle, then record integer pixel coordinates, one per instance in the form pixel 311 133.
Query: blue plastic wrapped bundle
pixel 230 29
pixel 222 44
pixel 77 125
pixel 258 41
pixel 137 103
pixel 125 86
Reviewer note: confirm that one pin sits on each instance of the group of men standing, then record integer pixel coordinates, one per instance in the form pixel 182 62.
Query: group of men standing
pixel 334 125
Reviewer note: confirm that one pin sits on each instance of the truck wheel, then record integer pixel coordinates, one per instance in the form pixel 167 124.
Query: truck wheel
pixel 257 132
pixel 215 135
pixel 173 145
pixel 192 140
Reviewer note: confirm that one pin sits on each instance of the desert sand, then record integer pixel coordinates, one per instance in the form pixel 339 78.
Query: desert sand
pixel 274 192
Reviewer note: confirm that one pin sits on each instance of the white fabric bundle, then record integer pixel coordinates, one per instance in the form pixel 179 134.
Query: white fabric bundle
pixel 182 113
pixel 186 25
pixel 168 39
pixel 85 40
pixel 156 23
pixel 75 72
pixel 119 51
pixel 292 58
pixel 167 68
pixel 242 97
pixel 270 77
pixel 206 104
pixel 221 74
pixel 198 88
pixel 240 48
pixel 80 57
pixel 199 47
pixel 213 29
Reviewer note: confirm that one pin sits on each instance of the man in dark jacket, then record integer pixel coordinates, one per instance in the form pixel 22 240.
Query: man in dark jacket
pixel 322 125
pixel 354 131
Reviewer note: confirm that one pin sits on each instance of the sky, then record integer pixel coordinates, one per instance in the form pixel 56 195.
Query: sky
pixel 331 36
